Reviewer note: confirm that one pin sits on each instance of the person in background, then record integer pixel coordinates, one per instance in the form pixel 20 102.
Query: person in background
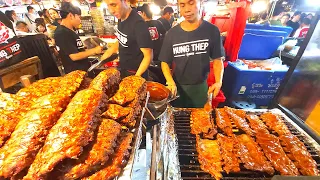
pixel 30 18
pixel 263 18
pixel 72 52
pixel 284 19
pixel 8 13
pixel 277 15
pixel 157 33
pixel 166 17
pixel 55 17
pixel 310 16
pixel 294 22
pixel 303 29
pixel 40 14
pixel 134 42
pixel 46 16
pixel 22 28
pixel 190 46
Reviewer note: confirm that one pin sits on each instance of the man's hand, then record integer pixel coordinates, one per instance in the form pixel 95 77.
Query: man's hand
pixel 173 88
pixel 98 50
pixel 105 55
pixel 214 88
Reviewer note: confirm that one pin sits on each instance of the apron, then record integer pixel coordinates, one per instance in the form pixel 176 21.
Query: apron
pixel 191 96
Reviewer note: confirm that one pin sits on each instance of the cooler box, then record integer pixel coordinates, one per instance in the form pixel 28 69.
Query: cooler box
pixel 260 44
pixel 286 29
pixel 257 86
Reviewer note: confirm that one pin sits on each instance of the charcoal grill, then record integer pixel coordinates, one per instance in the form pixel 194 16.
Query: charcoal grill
pixel 188 156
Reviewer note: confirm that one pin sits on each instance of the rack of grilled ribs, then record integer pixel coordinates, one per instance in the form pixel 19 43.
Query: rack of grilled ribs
pixel 116 162
pixel 229 153
pixel 99 153
pixel 275 123
pixel 252 156
pixel 202 123
pixel 28 99
pixel 223 121
pixel 129 87
pixel 256 124
pixel 209 157
pixel 240 122
pixel 299 154
pixel 19 151
pixel 274 152
pixel 107 81
pixel 73 131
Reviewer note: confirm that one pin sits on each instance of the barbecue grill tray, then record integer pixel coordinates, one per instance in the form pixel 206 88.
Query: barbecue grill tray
pixel 188 156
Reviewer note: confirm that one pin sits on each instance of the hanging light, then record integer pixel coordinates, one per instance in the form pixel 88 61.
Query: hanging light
pixel 259 6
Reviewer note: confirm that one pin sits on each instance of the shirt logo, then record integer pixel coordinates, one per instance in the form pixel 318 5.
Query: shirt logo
pixel 190 48
pixel 122 38
pixel 154 33
pixel 80 44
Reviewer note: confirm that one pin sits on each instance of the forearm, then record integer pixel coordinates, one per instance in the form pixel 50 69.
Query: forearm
pixel 218 69
pixel 167 72
pixel 112 50
pixel 82 55
pixel 145 63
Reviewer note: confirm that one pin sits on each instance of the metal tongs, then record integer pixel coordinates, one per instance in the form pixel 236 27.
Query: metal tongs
pixel 101 63
pixel 208 105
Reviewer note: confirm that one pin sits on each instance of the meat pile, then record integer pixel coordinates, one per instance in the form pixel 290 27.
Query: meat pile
pixel 58 131
pixel 260 143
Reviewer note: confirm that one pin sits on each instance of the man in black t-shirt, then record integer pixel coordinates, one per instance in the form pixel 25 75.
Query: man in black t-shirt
pixel 166 18
pixel 190 46
pixel 134 42
pixel 157 33
pixel 72 52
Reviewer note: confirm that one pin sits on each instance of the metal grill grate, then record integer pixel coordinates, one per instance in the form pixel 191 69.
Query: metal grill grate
pixel 188 156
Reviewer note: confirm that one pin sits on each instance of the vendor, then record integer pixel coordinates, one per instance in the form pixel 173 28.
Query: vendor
pixel 190 46
pixel 72 52
pixel 134 41
pixel 157 33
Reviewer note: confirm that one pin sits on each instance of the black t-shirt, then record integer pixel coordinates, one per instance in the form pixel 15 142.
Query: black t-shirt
pixel 191 52
pixel 132 35
pixel 70 43
pixel 157 33
pixel 294 25
pixel 165 23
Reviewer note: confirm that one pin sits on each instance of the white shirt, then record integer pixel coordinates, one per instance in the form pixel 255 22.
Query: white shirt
pixel 30 20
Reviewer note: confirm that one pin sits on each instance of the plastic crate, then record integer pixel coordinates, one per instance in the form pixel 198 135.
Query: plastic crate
pixel 257 86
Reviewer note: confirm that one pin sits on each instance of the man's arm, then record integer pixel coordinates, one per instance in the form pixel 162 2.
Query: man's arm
pixel 147 57
pixel 167 74
pixel 82 55
pixel 112 50
pixel 218 69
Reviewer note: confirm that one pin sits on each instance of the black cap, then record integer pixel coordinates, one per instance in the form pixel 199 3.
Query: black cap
pixel 67 7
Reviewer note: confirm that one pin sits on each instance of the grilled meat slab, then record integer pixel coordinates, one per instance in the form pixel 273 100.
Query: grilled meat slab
pixel 73 131
pixel 201 123
pixel 99 154
pixel 240 122
pixel 275 123
pixel 252 156
pixel 229 153
pixel 209 157
pixel 257 125
pixel 274 152
pixel 116 162
pixel 223 121
pixel 300 155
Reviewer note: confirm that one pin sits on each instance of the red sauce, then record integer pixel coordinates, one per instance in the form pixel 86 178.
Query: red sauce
pixel 156 93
